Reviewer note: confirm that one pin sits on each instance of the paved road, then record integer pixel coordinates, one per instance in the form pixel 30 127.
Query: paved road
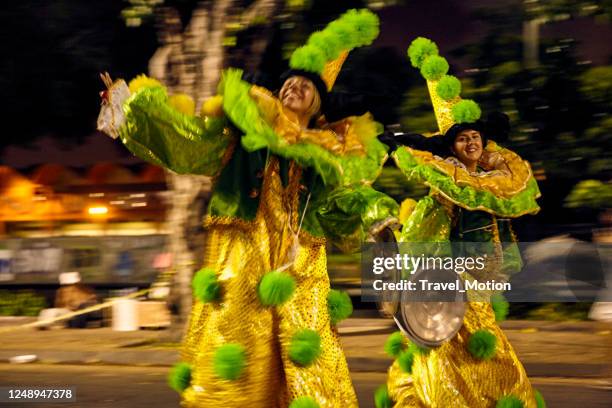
pixel 140 387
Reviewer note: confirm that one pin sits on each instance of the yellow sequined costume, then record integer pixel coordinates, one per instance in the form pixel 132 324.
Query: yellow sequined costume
pixel 458 207
pixel 243 253
pixel 261 332
pixel 279 192
pixel 450 376
pixel 477 368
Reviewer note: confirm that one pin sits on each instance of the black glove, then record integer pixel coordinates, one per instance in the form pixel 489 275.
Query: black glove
pixel 259 79
pixel 388 138
pixel 434 144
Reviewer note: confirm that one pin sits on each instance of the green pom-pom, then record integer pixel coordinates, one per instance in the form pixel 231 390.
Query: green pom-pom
pixel 540 403
pixel 179 377
pixel 305 347
pixel 395 344
pixel 229 361
pixel 304 402
pixel 308 58
pixel 500 307
pixel 205 285
pixel 449 87
pixel 343 32
pixel 328 43
pixel 275 288
pixel 509 401
pixel 420 49
pixel 434 67
pixel 339 305
pixel 365 26
pixel 406 360
pixel 482 344
pixel 381 397
pixel 466 111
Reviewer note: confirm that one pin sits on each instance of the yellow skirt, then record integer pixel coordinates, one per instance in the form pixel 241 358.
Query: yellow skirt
pixel 450 376
pixel 241 253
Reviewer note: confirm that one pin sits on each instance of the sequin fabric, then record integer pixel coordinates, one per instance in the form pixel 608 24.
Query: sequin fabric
pixel 442 109
pixel 241 253
pixel 450 376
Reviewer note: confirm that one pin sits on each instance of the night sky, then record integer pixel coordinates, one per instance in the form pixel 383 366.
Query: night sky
pixel 53 51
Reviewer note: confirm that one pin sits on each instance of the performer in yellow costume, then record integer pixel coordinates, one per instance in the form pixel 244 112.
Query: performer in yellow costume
pixel 261 332
pixel 473 195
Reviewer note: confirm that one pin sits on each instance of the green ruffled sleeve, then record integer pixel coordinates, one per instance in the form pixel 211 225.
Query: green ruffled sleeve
pixel 334 170
pixel 429 221
pixel 364 169
pixel 156 132
pixel 351 214
pixel 468 197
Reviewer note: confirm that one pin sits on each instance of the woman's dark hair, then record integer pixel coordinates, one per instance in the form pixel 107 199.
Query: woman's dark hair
pixel 454 131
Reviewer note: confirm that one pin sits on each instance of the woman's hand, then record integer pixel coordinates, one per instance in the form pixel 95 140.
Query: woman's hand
pixel 111 116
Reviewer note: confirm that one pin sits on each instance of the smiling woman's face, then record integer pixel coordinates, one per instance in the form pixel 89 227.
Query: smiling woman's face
pixel 468 147
pixel 297 94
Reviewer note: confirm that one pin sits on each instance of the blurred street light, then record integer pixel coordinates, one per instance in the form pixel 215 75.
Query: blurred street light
pixel 99 210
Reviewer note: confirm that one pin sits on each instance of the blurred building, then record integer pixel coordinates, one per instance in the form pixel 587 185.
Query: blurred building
pixel 105 199
pixel 106 221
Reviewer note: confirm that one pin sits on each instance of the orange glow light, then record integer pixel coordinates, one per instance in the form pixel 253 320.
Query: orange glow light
pixel 97 210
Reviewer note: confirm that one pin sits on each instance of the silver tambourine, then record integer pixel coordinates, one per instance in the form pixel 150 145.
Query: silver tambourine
pixel 429 318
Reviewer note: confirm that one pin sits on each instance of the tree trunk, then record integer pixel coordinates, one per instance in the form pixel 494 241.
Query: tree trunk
pixel 190 61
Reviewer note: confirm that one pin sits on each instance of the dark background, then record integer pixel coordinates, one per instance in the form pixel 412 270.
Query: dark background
pixel 53 51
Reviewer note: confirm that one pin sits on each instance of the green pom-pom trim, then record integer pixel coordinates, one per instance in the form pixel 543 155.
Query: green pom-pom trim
pixel 342 31
pixel 205 285
pixel 304 402
pixel 449 87
pixel 179 377
pixel 339 305
pixel 540 402
pixel 482 344
pixel 420 49
pixel 327 42
pixel 500 307
pixel 308 58
pixel 275 288
pixel 354 28
pixel 229 361
pixel 509 401
pixel 466 111
pixel 406 360
pixel 364 24
pixel 395 344
pixel 305 347
pixel 381 397
pixel 469 198
pixel 434 67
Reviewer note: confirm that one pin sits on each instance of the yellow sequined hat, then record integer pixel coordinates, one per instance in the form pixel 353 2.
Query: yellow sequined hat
pixel 326 50
pixel 444 89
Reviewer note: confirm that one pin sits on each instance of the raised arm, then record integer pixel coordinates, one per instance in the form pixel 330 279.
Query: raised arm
pixel 157 132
